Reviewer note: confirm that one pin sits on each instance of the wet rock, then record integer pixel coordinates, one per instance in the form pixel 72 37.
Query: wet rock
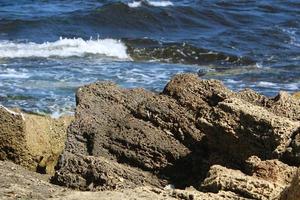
pixel 30 140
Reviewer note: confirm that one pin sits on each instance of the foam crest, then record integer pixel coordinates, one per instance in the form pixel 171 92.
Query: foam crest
pixel 64 47
pixel 160 3
pixel 136 4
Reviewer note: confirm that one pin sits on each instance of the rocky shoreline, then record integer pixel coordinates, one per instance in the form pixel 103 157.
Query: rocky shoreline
pixel 194 140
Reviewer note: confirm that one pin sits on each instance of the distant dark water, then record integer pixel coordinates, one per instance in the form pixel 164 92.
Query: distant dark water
pixel 49 48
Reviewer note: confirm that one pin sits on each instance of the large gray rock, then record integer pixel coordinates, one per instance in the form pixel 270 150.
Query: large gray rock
pixel 173 137
pixel 107 123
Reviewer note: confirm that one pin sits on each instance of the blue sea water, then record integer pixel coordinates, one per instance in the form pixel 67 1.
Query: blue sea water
pixel 48 48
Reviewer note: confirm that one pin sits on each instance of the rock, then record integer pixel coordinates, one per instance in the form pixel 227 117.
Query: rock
pixel 237 125
pixel 178 134
pixel 194 194
pixel 253 97
pixel 137 144
pixel 292 153
pixel 148 193
pixel 292 192
pixel 285 105
pixel 107 126
pixel 195 94
pixel 223 179
pixel 240 129
pixel 17 182
pixel 98 173
pixel 30 140
pixel 141 193
pixel 296 95
pixel 270 170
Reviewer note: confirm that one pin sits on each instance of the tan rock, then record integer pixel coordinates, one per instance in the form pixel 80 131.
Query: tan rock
pixel 285 105
pixel 270 170
pixel 223 179
pixel 149 193
pixel 194 194
pixel 240 129
pixel 30 140
pixel 296 95
pixel 19 183
pixel 16 182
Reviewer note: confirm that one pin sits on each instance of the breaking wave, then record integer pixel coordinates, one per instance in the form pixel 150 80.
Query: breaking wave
pixel 136 4
pixel 64 47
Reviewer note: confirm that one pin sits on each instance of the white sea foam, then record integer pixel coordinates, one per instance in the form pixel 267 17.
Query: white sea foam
pixel 231 81
pixel 64 47
pixel 136 4
pixel 259 65
pixel 283 86
pixel 266 84
pixel 293 86
pixel 12 73
pixel 160 3
pixel 294 38
pixel 12 112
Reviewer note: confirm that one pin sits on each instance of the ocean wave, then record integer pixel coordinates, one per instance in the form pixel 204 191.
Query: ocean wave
pixel 64 47
pixel 12 73
pixel 183 53
pixel 136 4
pixel 278 86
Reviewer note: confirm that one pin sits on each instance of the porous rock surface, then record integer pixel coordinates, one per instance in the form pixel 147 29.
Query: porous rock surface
pixel 31 140
pixel 18 183
pixel 296 95
pixel 292 192
pixel 195 133
pixel 223 179
pixel 89 172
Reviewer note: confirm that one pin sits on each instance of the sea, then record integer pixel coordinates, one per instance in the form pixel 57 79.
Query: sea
pixel 49 48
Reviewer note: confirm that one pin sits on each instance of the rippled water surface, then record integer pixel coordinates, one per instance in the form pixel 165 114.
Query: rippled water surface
pixel 50 48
